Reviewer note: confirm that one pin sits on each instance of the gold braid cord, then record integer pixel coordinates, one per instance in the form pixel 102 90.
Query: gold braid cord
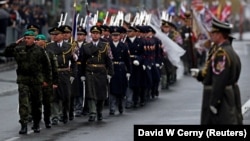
pixel 102 51
pixel 71 50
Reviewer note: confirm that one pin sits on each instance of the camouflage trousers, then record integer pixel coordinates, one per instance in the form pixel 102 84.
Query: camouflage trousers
pixel 30 97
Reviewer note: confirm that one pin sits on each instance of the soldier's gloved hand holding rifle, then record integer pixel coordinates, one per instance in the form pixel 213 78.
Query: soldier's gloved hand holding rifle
pixel 71 79
pixel 109 77
pixel 128 76
pixel 83 78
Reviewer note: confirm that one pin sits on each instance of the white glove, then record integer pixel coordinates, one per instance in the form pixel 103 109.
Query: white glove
pixel 108 77
pixel 213 109
pixel 157 65
pixel 75 57
pixel 194 72
pixel 128 75
pixel 71 79
pixel 136 62
pixel 144 67
pixel 149 67
pixel 186 35
pixel 83 78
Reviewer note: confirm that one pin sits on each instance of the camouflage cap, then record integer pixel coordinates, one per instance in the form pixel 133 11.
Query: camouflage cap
pixel 40 37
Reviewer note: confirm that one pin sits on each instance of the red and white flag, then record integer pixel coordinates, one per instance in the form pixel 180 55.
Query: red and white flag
pixel 198 5
pixel 226 12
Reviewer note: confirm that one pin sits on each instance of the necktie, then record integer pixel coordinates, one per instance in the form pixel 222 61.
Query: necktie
pixel 59 45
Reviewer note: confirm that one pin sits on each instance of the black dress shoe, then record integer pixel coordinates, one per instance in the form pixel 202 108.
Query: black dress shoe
pixel 91 118
pixel 112 113
pixel 65 120
pixel 99 117
pixel 142 104
pixel 47 125
pixel 120 111
pixel 36 128
pixel 54 121
pixel 78 114
pixel 71 118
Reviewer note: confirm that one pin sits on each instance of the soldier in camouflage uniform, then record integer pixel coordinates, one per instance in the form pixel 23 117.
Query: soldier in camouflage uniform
pixel 32 71
pixel 48 91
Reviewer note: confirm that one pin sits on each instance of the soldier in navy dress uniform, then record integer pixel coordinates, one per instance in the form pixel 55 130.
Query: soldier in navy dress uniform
pixel 119 81
pixel 66 75
pixel 136 49
pixel 221 102
pixel 97 68
pixel 155 59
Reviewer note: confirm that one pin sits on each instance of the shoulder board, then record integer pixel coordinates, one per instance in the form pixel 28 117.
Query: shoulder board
pixel 220 52
pixel 86 43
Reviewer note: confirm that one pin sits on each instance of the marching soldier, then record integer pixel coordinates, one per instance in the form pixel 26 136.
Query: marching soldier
pixel 119 81
pixel 66 74
pixel 156 59
pixel 32 74
pixel 97 67
pixel 47 92
pixel 221 95
pixel 136 49
pixel 77 86
pixel 169 28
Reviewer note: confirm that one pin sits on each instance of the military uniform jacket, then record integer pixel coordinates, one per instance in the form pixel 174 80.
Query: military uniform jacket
pixel 136 49
pixel 54 66
pixel 96 65
pixel 122 63
pixel 220 85
pixel 64 56
pixel 33 65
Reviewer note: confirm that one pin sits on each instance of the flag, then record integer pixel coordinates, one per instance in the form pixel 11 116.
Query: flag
pixel 197 5
pixel 226 12
pixel 172 8
pixel 183 8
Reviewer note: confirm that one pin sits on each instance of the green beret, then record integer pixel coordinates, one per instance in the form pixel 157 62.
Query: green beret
pixel 29 33
pixel 40 37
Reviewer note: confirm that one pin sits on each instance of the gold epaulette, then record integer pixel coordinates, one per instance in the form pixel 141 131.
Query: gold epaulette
pixel 86 43
pixel 221 52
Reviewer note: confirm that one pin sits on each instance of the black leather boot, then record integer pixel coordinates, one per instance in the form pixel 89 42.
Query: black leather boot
pixel 24 129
